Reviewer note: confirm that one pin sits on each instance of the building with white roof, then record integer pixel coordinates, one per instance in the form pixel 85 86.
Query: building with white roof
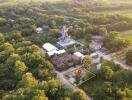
pixel 49 47
pixel 51 53
pixel 80 55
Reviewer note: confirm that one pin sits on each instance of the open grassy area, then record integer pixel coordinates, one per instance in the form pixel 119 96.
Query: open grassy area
pixel 125 12
pixel 127 37
pixel 118 1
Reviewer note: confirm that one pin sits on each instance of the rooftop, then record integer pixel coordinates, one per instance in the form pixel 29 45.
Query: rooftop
pixel 50 53
pixel 66 43
pixel 49 47
pixel 79 54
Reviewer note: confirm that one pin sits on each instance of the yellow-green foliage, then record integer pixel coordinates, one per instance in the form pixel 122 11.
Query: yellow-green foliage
pixel 127 37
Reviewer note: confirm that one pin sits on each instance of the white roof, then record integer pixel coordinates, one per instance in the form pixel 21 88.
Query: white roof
pixel 39 29
pixel 49 47
pixel 79 54
pixel 50 53
pixel 60 51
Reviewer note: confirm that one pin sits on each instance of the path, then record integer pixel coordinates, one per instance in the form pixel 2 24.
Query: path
pixel 108 57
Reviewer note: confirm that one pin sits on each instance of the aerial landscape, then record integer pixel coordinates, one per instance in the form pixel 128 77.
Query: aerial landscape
pixel 65 49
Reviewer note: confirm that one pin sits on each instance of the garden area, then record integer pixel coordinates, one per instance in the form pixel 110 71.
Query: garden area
pixel 77 76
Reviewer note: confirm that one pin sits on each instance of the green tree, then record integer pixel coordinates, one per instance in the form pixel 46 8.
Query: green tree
pixel 129 57
pixel 79 95
pixel 87 61
pixel 16 35
pixel 54 86
pixel 12 59
pixel 121 94
pixel 20 67
pixel 53 24
pixel 44 86
pixel 28 81
pixel 3 21
pixel 106 72
pixel 2 38
pixel 7 47
pixel 103 31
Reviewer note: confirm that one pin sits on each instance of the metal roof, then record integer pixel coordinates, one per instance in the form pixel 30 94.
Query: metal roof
pixel 49 47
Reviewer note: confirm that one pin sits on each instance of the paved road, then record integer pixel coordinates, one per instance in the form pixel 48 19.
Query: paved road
pixel 108 57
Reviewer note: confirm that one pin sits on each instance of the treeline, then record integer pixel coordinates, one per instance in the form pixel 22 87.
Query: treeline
pixel 51 17
pixel 18 56
pixel 25 74
pixel 114 42
pixel 117 84
pixel 111 83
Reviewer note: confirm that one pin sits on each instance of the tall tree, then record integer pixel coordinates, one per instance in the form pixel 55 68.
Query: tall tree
pixel 129 57
pixel 79 95
pixel 87 61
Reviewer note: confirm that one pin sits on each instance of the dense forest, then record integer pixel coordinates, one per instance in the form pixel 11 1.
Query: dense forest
pixel 26 74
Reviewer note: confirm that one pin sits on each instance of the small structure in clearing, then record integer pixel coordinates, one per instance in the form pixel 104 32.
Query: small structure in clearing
pixel 39 30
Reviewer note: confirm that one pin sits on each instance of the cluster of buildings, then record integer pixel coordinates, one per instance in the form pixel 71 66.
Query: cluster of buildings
pixel 61 57
pixel 66 52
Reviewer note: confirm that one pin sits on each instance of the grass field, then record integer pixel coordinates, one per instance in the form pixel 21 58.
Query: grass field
pixel 125 12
